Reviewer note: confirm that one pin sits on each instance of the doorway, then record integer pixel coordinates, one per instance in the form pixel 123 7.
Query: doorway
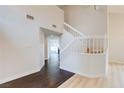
pixel 53 48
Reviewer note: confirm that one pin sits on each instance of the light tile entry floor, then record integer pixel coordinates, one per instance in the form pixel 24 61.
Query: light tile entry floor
pixel 115 79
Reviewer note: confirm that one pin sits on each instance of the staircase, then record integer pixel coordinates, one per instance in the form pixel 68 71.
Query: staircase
pixel 82 54
pixel 73 31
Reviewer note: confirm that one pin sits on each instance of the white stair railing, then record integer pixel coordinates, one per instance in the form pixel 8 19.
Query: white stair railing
pixel 88 45
pixel 83 44
pixel 84 55
pixel 73 31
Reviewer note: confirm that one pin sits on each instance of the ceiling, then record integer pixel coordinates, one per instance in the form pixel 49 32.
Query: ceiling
pixel 111 8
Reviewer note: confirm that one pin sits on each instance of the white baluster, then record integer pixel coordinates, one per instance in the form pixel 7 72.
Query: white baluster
pixel 93 46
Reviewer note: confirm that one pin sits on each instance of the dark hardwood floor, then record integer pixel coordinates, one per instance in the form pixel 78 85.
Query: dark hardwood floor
pixel 50 76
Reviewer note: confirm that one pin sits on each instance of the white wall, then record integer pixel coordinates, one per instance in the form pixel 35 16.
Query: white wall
pixel 21 44
pixel 116 37
pixel 65 39
pixel 87 20
pixel 86 65
pixel 46 16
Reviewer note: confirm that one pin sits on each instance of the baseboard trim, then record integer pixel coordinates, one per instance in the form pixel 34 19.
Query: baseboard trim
pixel 101 75
pixel 92 75
pixel 116 62
pixel 19 75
